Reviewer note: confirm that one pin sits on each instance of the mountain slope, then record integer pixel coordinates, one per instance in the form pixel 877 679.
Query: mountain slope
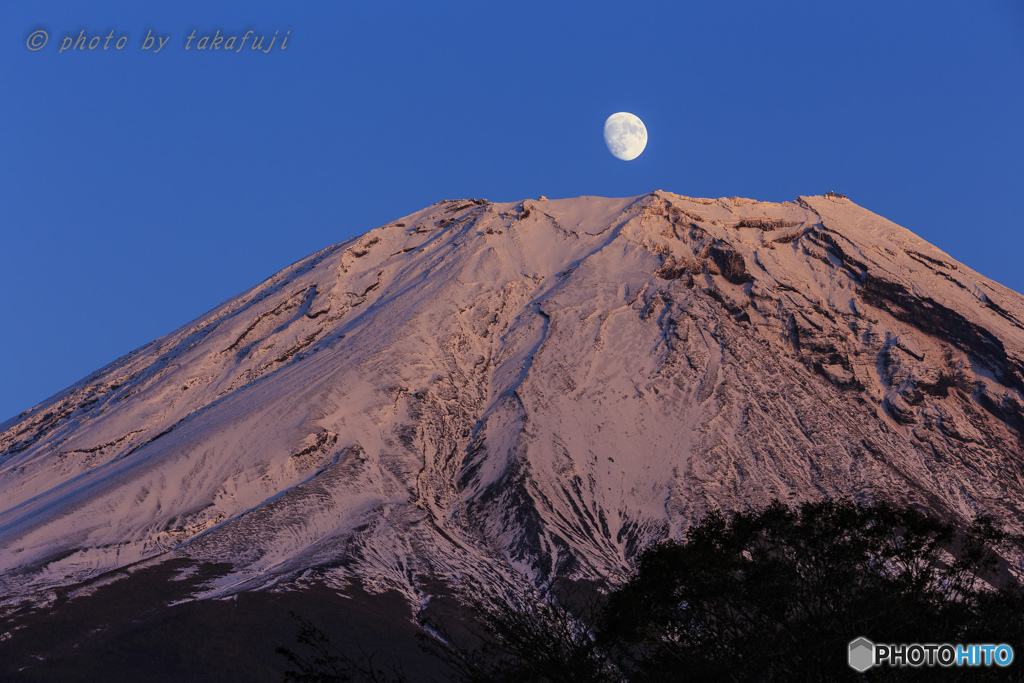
pixel 540 387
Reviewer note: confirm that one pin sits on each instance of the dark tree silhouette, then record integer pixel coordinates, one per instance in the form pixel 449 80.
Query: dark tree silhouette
pixel 777 595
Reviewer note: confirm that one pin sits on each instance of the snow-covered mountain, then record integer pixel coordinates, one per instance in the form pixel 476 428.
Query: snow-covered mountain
pixel 532 388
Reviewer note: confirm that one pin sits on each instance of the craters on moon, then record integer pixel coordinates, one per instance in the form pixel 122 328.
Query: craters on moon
pixel 626 135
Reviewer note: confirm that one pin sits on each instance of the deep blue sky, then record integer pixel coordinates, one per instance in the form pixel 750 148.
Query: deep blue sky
pixel 139 190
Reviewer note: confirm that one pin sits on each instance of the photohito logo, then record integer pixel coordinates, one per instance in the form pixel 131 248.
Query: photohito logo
pixel 862 654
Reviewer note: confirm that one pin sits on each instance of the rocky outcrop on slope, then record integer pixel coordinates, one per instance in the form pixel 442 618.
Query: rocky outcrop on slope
pixel 530 388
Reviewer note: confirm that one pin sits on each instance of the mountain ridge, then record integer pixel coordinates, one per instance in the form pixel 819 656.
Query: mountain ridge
pixel 533 388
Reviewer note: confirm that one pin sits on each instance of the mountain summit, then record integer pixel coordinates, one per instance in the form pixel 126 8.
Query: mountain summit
pixel 535 388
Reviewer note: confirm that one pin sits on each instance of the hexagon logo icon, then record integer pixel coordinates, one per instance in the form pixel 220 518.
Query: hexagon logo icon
pixel 861 654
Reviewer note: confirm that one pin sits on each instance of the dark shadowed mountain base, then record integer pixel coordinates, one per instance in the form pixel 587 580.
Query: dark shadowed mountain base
pixel 129 631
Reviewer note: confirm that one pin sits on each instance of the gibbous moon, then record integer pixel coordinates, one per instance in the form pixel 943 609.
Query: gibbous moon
pixel 625 135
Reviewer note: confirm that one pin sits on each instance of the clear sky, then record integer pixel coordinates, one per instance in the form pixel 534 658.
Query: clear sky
pixel 139 189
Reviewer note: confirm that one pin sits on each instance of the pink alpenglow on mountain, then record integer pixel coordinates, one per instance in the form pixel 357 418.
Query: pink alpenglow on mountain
pixel 527 389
